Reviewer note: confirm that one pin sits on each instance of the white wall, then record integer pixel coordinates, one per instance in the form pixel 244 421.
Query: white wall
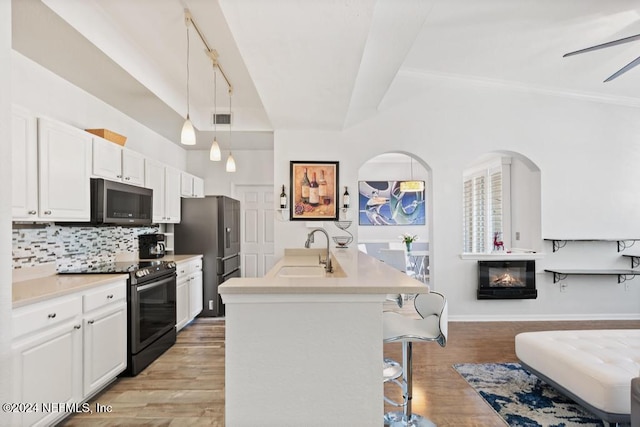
pixel 45 93
pixel 252 167
pixel 6 330
pixel 588 154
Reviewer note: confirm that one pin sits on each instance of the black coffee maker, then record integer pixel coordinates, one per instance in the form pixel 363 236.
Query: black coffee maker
pixel 151 246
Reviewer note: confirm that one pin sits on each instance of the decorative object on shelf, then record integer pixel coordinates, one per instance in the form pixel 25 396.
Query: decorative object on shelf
pixel 346 199
pixel 384 203
pixel 109 135
pixel 312 199
pixel 188 134
pixel 498 244
pixel 343 241
pixel 214 153
pixel 283 199
pixel 408 239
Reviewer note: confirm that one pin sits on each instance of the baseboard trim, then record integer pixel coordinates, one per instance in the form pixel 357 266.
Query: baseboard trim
pixel 543 317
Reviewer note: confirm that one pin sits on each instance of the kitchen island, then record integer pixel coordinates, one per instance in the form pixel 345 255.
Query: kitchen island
pixel 304 347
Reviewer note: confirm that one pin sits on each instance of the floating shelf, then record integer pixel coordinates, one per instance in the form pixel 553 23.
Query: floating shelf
pixel 622 243
pixel 623 275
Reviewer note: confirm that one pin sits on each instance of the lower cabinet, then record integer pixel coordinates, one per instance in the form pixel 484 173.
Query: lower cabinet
pixel 188 291
pixel 66 349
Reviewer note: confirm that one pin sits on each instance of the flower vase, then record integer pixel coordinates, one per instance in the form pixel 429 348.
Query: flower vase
pixel 408 244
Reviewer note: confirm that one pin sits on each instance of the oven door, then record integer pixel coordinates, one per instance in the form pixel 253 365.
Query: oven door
pixel 153 311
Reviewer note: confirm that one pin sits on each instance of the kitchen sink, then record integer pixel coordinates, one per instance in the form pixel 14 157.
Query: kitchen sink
pixel 301 271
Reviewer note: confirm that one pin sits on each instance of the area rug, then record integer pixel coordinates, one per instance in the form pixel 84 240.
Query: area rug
pixel 521 399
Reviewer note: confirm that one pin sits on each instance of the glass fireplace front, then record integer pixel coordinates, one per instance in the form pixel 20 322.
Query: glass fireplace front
pixel 507 280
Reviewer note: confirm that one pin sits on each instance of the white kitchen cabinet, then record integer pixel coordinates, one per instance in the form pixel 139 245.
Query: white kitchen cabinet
pixel 105 335
pixel 189 291
pixel 24 160
pixel 116 163
pixel 165 183
pixel 172 194
pixel 195 294
pixel 191 186
pixel 64 169
pixel 66 349
pixel 47 357
pixel 182 303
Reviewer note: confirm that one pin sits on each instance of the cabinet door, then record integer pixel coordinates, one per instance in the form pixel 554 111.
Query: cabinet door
pixel 107 159
pixel 172 195
pixel 64 161
pixel 198 187
pixel 105 346
pixel 50 370
pixel 154 179
pixel 132 167
pixel 24 159
pixel 186 184
pixel 195 294
pixel 182 304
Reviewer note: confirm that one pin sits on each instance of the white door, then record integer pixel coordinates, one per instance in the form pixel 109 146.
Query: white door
pixel 257 207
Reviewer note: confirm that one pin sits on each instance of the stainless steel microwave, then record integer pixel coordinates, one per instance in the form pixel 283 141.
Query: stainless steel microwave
pixel 121 204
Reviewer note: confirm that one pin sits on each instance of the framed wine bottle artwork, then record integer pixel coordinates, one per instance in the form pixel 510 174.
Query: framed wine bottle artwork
pixel 314 191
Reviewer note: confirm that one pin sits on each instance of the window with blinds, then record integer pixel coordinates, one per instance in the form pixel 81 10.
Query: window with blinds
pixel 483 200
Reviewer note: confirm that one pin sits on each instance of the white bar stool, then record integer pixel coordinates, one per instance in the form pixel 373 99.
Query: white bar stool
pixel 433 309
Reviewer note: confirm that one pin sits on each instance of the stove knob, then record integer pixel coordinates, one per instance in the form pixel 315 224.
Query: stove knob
pixel 139 273
pixel 171 264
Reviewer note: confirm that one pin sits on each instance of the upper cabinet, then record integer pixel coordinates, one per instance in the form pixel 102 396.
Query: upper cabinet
pixel 191 186
pixel 51 165
pixel 24 159
pixel 165 183
pixel 64 159
pixel 116 163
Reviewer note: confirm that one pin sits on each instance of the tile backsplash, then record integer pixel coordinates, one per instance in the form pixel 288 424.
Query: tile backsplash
pixel 72 246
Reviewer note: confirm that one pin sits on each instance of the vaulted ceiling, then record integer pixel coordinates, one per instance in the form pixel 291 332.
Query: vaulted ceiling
pixel 320 64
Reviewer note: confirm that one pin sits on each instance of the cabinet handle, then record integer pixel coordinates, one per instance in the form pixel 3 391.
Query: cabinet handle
pixel 32 212
pixel 90 322
pixel 77 326
pixel 110 296
pixel 118 176
pixel 51 315
pixel 127 178
pixel 47 212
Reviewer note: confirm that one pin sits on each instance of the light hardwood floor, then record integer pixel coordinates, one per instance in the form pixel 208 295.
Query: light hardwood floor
pixel 185 386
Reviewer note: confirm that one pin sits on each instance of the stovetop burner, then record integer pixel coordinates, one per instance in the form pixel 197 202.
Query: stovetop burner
pixel 137 270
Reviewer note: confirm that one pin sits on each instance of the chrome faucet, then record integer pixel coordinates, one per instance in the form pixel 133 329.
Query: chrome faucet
pixel 327 264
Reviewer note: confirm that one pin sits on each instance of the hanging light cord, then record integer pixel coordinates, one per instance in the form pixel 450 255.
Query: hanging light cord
pixel 230 120
pixel 215 103
pixel 187 71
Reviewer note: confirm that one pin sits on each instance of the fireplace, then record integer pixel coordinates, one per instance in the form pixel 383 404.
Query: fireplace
pixel 507 279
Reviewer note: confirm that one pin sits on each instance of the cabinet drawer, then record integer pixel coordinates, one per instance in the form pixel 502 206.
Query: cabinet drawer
pixel 104 295
pixel 195 266
pixel 47 313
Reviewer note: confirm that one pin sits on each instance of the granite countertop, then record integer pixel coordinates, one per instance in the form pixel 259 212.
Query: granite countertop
pixel 355 273
pixel 43 283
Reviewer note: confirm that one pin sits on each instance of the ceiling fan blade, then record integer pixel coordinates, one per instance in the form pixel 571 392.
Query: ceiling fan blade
pixel 604 45
pixel 624 69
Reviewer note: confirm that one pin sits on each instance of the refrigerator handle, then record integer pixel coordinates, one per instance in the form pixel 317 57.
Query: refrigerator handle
pixel 227 237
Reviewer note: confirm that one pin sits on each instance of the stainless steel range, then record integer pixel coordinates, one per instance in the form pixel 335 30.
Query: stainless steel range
pixel 151 307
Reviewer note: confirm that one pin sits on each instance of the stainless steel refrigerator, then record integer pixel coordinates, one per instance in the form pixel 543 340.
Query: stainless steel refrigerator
pixel 211 226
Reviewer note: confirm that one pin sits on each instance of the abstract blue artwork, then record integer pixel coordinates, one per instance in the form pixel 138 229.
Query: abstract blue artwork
pixel 384 203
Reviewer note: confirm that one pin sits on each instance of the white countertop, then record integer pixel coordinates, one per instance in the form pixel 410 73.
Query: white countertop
pixel 355 273
pixel 44 284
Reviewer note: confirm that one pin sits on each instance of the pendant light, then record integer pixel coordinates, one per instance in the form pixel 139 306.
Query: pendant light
pixel 231 163
pixel 214 153
pixel 411 186
pixel 188 134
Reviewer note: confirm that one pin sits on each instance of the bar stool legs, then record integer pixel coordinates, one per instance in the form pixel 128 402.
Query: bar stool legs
pixel 406 417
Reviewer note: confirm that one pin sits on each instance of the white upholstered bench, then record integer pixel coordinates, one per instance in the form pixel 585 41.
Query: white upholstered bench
pixel 592 367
